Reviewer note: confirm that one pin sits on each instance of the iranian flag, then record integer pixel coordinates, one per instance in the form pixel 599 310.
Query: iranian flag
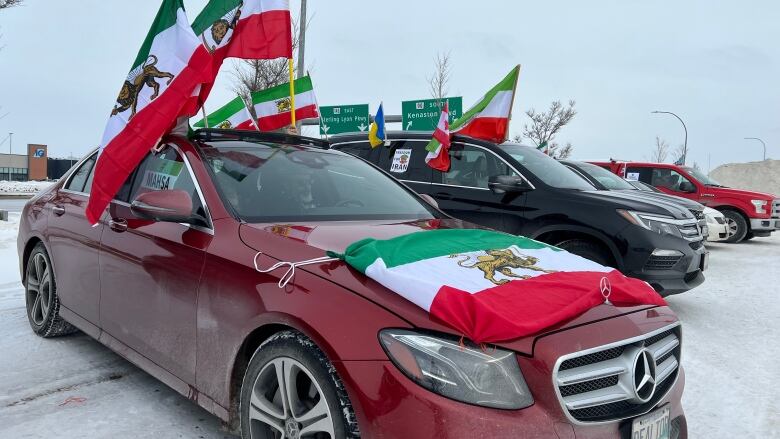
pixel 439 147
pixel 248 29
pixel 273 105
pixel 169 67
pixel 491 286
pixel 234 115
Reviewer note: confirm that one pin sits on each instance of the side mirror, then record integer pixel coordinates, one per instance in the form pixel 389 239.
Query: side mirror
pixel 501 184
pixel 687 186
pixel 172 206
pixel 430 200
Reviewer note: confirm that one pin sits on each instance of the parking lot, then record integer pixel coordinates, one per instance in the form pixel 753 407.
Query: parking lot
pixel 73 387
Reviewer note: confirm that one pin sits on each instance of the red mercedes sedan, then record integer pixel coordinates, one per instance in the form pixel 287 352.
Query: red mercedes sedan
pixel 178 277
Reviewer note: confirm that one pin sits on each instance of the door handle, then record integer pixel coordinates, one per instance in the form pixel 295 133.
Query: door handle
pixel 58 210
pixel 118 225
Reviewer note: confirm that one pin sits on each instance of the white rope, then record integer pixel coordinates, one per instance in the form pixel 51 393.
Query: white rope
pixel 290 273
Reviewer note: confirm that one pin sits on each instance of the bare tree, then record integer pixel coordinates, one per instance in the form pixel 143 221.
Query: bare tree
pixel 546 124
pixel 678 153
pixel 439 82
pixel 660 152
pixel 4 4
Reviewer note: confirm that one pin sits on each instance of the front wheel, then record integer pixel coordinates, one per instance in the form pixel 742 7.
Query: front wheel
pixel 736 226
pixel 43 304
pixel 291 391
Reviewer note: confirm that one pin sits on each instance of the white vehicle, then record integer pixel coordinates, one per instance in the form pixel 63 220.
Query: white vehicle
pixel 716 223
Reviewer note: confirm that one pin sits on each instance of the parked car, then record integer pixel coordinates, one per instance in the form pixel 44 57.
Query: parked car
pixel 607 181
pixel 717 230
pixel 519 190
pixel 748 213
pixel 168 279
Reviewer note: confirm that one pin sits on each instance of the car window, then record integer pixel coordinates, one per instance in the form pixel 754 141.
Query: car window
pixel 645 175
pixel 668 178
pixel 405 160
pixel 271 183
pixel 605 178
pixel 550 171
pixel 82 176
pixel 362 149
pixel 472 167
pixel 166 170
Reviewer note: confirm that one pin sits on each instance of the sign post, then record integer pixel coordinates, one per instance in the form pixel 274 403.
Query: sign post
pixel 344 119
pixel 423 114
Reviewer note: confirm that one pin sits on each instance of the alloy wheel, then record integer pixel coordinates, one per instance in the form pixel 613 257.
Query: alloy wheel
pixel 731 227
pixel 288 403
pixel 39 290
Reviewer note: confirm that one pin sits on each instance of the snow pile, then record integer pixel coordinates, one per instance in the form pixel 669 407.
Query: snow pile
pixel 23 187
pixel 755 176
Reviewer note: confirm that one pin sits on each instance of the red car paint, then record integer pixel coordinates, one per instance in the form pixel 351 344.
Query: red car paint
pixel 716 197
pixel 188 306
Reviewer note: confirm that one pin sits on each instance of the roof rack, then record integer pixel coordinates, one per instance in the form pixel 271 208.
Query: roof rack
pixel 211 134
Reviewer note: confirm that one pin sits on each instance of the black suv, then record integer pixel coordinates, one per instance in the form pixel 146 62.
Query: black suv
pixel 519 190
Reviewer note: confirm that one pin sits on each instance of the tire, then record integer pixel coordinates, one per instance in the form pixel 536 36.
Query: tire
pixel 261 403
pixel 736 226
pixel 586 249
pixel 749 236
pixel 43 304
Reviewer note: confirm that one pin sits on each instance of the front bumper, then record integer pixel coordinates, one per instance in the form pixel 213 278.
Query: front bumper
pixel 389 405
pixel 766 225
pixel 683 274
pixel 717 232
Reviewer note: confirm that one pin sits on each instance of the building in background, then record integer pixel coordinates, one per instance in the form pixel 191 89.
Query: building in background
pixel 33 166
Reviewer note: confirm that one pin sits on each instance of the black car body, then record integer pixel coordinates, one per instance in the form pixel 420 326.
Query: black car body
pixel 519 190
pixel 604 180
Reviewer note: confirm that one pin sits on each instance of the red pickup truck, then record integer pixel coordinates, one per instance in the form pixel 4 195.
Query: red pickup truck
pixel 748 214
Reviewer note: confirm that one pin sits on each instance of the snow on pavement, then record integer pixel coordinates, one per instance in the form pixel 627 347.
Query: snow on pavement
pixel 23 187
pixel 73 387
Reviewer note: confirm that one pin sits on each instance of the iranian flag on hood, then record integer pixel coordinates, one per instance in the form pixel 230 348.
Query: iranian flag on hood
pixel 491 286
pixel 169 67
pixel 248 29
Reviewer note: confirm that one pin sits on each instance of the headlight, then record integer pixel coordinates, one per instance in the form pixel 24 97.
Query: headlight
pixel 760 205
pixel 489 377
pixel 663 225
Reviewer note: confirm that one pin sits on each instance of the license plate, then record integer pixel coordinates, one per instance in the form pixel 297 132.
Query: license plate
pixel 705 261
pixel 654 425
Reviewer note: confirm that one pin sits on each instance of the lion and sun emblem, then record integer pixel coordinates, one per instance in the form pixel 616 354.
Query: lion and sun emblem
pixel 143 76
pixel 495 262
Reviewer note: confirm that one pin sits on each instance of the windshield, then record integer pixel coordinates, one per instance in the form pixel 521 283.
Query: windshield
pixel 607 179
pixel 702 177
pixel 546 168
pixel 272 183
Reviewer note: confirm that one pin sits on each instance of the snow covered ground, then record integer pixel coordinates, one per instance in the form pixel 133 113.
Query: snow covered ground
pixel 73 387
pixel 23 187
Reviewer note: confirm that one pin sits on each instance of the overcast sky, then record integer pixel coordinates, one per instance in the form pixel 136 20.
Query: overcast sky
pixel 715 63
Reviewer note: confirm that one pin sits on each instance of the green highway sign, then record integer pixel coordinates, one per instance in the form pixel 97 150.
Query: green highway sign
pixel 344 119
pixel 423 114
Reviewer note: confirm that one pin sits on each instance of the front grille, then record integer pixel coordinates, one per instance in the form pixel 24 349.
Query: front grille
pixel 661 262
pixel 698 214
pixel 690 231
pixel 597 385
pixel 696 245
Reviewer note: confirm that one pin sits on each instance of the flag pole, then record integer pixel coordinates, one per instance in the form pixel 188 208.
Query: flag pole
pixel 252 118
pixel 205 117
pixel 512 104
pixel 292 91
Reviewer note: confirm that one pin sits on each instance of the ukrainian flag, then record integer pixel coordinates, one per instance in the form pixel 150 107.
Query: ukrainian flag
pixel 377 134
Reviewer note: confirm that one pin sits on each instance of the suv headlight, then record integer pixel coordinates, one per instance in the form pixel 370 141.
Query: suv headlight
pixel 490 377
pixel 663 225
pixel 760 205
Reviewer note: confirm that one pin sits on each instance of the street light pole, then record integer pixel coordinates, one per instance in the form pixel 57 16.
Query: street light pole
pixel 10 144
pixel 685 144
pixel 762 142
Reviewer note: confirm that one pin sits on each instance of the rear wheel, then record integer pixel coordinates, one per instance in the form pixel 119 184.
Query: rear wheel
pixel 736 226
pixel 586 249
pixel 292 391
pixel 43 304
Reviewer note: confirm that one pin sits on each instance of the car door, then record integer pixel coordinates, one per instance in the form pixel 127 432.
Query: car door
pixel 669 181
pixel 150 271
pixel 74 244
pixel 405 160
pixel 463 191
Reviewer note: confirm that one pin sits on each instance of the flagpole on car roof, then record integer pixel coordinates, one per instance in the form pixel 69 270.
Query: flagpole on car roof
pixel 292 91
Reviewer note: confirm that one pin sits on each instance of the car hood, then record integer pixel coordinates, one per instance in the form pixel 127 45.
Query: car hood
pixel 302 241
pixel 739 193
pixel 684 202
pixel 629 201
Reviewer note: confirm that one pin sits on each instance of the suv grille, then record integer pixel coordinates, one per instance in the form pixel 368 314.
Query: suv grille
pixel 662 262
pixel 599 384
pixel 690 231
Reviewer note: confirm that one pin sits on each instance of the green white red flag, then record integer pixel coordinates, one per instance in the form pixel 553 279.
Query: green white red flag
pixel 234 115
pixel 248 29
pixel 439 147
pixel 169 67
pixel 492 286
pixel 273 106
